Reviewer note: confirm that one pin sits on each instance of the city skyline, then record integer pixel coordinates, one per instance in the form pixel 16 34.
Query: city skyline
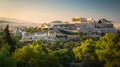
pixel 49 10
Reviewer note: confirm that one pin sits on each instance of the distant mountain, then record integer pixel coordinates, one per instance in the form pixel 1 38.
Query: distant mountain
pixel 4 21
pixel 9 20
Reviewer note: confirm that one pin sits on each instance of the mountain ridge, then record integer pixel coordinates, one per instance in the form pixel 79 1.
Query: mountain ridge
pixel 11 20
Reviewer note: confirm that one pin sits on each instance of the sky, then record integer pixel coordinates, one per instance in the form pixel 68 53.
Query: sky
pixel 49 10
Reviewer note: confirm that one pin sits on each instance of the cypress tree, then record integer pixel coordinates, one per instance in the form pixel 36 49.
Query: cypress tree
pixel 7 39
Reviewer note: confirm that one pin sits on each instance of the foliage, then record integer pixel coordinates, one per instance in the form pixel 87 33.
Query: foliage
pixel 31 30
pixel 5 59
pixel 7 39
pixel 62 50
pixel 86 50
pixel 108 50
pixel 1 41
pixel 85 53
pixel 89 50
pixel 16 41
pixel 33 55
pixel 64 57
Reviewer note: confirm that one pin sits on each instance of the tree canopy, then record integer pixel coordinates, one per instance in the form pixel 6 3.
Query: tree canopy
pixel 108 50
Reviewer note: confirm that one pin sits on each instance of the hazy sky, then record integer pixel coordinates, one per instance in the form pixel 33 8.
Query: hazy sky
pixel 49 10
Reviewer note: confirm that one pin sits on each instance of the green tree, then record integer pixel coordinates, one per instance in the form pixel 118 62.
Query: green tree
pixel 1 33
pixel 7 39
pixel 51 61
pixel 6 60
pixel 70 44
pixel 86 49
pixel 33 55
pixel 64 57
pixel 108 50
pixel 86 53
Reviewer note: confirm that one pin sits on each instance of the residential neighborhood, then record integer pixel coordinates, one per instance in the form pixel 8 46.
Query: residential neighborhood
pixel 62 31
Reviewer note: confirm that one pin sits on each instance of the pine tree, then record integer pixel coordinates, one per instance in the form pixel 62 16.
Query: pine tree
pixel 108 50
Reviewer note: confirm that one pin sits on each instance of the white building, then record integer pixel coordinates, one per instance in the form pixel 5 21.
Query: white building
pixel 18 33
pixel 28 36
pixel 49 35
pixel 97 28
